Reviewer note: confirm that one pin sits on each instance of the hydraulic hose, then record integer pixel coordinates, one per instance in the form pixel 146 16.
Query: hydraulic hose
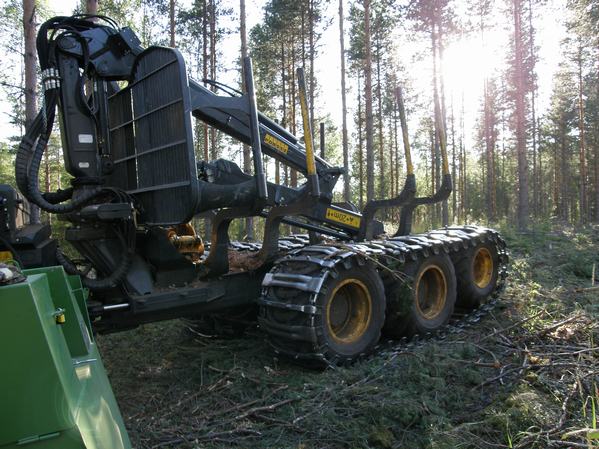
pixel 110 281
pixel 23 161
pixel 28 160
pixel 25 152
pixel 34 143
pixel 33 161
pixel 59 196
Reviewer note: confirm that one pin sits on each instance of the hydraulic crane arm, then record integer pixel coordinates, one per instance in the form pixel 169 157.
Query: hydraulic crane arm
pixel 111 55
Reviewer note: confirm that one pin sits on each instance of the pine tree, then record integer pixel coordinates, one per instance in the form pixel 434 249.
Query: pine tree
pixel 172 23
pixel 29 28
pixel 346 186
pixel 561 118
pixel 91 7
pixel 368 104
pixel 519 80
pixel 247 162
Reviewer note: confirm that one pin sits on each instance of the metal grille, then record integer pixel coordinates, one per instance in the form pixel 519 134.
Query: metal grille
pixel 151 138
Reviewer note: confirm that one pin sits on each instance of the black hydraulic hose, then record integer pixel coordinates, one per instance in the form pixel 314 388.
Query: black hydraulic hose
pixel 59 196
pixel 25 152
pixel 110 281
pixel 23 160
pixel 32 191
pixel 36 197
pixel 28 160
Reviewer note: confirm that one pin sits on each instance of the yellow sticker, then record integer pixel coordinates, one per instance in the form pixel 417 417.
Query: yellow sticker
pixel 342 217
pixel 276 143
pixel 5 256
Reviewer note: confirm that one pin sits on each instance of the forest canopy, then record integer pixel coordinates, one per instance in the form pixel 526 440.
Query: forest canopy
pixel 519 109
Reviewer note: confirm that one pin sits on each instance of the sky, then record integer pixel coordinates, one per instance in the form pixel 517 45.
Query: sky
pixel 466 61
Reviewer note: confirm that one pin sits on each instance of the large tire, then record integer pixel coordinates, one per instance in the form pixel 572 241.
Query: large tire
pixel 477 273
pixel 425 301
pixel 351 313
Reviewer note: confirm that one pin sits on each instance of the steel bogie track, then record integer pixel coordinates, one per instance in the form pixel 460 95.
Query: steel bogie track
pixel 290 311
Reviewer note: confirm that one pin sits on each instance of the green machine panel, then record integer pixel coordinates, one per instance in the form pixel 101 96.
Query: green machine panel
pixel 54 390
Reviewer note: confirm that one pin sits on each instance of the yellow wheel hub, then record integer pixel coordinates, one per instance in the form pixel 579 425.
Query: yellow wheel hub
pixel 482 267
pixel 349 310
pixel 431 292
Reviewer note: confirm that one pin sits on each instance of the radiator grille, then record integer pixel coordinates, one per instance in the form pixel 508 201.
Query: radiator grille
pixel 151 138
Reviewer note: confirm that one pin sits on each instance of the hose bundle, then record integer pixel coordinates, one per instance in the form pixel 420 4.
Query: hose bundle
pixel 34 143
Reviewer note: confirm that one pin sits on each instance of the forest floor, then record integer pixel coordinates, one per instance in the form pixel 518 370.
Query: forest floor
pixel 525 376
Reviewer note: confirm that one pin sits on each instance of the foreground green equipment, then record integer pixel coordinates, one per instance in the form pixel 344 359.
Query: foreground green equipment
pixel 55 393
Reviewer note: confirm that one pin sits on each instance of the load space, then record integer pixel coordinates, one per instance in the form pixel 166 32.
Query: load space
pixel 323 298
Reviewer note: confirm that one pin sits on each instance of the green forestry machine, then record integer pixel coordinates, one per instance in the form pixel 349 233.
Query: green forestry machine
pixel 323 298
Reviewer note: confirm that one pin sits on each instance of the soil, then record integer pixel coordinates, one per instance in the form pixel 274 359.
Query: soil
pixel 525 376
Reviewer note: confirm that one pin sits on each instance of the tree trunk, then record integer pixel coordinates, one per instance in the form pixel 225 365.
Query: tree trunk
pixel 489 133
pixel 433 139
pixel 379 93
pixel 392 142
pixel 556 183
pixel 284 121
pixel 247 160
pixel 29 29
pixel 565 193
pixel 597 175
pixel 368 101
pixel 489 128
pixel 463 167
pixel 397 166
pixel 360 148
pixel 520 93
pixel 205 21
pixel 346 186
pixel 443 117
pixel 435 172
pixel 312 55
pixel 293 174
pixel 213 37
pixel 583 170
pixel 172 22
pixel 533 93
pixel 91 7
pixel 454 201
pixel 596 184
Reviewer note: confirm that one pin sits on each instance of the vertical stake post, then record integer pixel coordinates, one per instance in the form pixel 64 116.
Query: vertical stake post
pixel 254 129
pixel 308 137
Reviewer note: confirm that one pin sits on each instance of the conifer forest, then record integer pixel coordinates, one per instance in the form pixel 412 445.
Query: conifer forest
pixel 516 81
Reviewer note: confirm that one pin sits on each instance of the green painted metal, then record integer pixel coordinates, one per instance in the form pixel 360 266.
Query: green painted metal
pixel 54 390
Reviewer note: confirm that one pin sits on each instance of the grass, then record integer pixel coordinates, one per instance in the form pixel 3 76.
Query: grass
pixel 523 377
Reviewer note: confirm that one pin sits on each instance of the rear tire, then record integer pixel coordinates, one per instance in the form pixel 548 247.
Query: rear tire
pixel 425 302
pixel 353 313
pixel 477 273
pixel 349 312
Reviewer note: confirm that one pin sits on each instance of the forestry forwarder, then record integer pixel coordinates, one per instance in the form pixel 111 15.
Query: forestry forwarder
pixel 126 125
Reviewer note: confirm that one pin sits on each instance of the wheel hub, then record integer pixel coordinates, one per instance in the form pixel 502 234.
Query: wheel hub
pixel 349 311
pixel 482 267
pixel 431 292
